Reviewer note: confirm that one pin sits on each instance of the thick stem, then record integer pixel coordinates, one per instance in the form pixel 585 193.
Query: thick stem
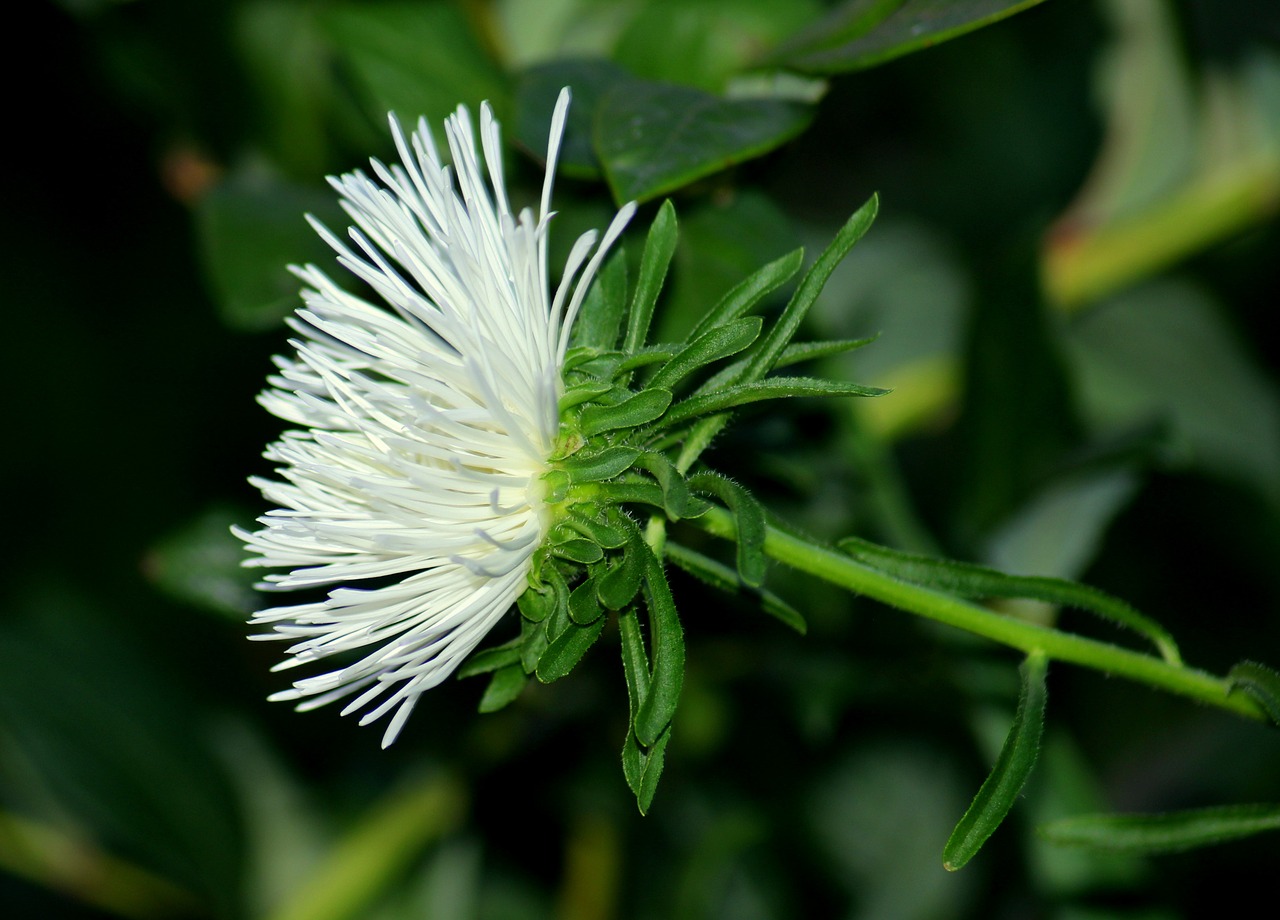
pixel 847 572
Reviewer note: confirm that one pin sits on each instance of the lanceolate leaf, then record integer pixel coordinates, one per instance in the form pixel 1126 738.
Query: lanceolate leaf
pixel 863 33
pixel 639 410
pixel 1260 682
pixel 719 342
pixel 1013 766
pixel 658 249
pixel 567 649
pixel 773 388
pixel 970 580
pixel 750 291
pixel 599 321
pixel 721 576
pixel 604 465
pixel 1163 833
pixel 667 638
pixel 504 687
pixel 635 671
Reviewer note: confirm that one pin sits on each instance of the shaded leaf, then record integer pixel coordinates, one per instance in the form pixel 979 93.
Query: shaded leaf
pixel 504 687
pixel 749 523
pixel 1012 767
pixel 1163 833
pixel 567 649
pixel 1260 682
pixel 200 564
pixel 773 388
pixel 599 320
pixel 723 577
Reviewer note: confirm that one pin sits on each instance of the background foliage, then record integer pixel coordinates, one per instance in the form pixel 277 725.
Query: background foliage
pixel 1072 278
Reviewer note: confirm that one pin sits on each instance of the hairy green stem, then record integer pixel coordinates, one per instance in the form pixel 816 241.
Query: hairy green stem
pixel 847 572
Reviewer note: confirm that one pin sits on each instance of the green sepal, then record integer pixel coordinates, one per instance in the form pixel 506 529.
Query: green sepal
pixel 718 575
pixel 1013 766
pixel 600 318
pixel 504 686
pixel 584 605
pixel 658 249
pixel 774 388
pixel 748 516
pixel 491 659
pixel 1163 833
pixel 605 465
pixel 667 639
pixel 566 650
pixel 969 580
pixel 722 341
pixel 581 551
pixel 750 291
pixel 1261 683
pixel 641 409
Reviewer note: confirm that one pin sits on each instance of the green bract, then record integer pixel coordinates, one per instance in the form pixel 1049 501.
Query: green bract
pixel 634 420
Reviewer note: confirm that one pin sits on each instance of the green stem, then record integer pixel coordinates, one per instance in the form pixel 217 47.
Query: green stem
pixel 849 573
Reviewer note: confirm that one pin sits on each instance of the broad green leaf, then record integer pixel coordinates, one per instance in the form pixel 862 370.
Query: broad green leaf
pixel 773 388
pixel 567 649
pixel 537 90
pixel 863 33
pixel 584 606
pixel 719 342
pixel 640 409
pixel 655 138
pixel 201 564
pixel 1260 682
pixel 667 639
pixel 249 228
pixel 619 584
pixel 414 59
pixel 581 551
pixel 1012 767
pixel 720 576
pixel 599 322
pixel 968 580
pixel 749 523
pixel 659 246
pixel 504 687
pixel 1163 833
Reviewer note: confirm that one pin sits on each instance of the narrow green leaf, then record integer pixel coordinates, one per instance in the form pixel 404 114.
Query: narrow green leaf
pixel 1163 833
pixel 765 355
pixel 1260 682
pixel 969 580
pixel 604 465
pixel 1013 766
pixel 633 491
pixel 798 352
pixel 675 493
pixel 864 33
pixel 773 388
pixel 599 320
pixel 750 291
pixel 567 649
pixel 635 671
pixel 602 533
pixel 748 517
pixel 490 659
pixel 726 579
pixel 651 771
pixel 658 249
pixel 719 342
pixel 584 606
pixel 667 637
pixel 504 687
pixel 640 409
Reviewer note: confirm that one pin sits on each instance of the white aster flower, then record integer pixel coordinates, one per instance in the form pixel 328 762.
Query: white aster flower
pixel 412 488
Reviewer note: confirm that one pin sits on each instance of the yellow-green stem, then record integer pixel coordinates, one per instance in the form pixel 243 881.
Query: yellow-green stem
pixel 847 572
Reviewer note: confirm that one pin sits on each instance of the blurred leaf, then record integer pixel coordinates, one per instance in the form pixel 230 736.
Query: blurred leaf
pixel 200 564
pixel 1184 163
pixel 504 686
pixel 863 33
pixel 533 32
pixel 250 227
pixel 654 138
pixel 1162 353
pixel 703 43
pixel 414 59
pixel 1164 833
pixel 1017 758
pixel 384 842
pixel 537 90
pixel 1260 682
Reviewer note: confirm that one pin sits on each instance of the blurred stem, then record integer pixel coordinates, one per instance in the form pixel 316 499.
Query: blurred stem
pixel 847 572
pixel 874 460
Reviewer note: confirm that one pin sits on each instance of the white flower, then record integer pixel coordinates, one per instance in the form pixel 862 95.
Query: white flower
pixel 412 490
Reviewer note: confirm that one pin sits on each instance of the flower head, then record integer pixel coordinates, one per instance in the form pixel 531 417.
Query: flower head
pixel 411 491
